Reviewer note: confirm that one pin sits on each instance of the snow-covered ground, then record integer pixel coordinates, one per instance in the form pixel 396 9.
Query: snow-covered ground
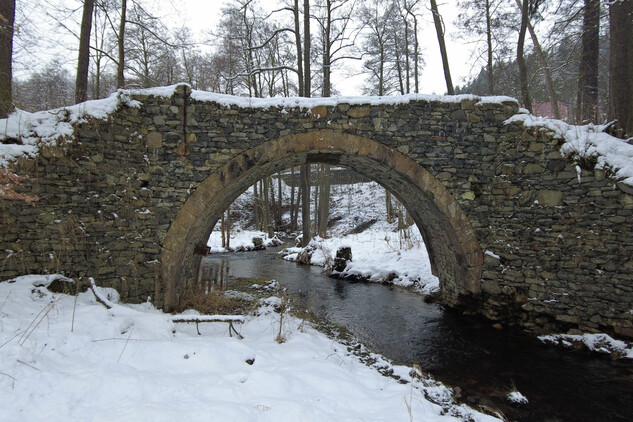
pixel 72 359
pixel 241 240
pixel 376 256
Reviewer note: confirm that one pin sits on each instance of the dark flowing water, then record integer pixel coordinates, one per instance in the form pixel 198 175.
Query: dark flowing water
pixel 459 351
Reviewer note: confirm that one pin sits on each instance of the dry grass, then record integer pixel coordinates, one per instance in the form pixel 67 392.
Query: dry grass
pixel 215 302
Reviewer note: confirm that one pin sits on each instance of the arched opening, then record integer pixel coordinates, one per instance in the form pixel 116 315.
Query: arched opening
pixel 454 251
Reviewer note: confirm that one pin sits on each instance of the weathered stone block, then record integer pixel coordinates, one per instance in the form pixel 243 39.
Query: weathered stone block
pixel 359 112
pixel 154 140
pixel 549 198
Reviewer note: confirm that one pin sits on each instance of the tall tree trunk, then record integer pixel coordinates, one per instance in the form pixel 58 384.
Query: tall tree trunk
pixel 295 11
pixel 327 55
pixel 527 100
pixel 489 65
pixel 547 72
pixel 223 231
pixel 228 227
pixel 279 203
pixel 293 221
pixel 304 174
pixel 315 229
pixel 120 78
pixel 273 203
pixel 7 19
pixel 389 205
pixel 307 89
pixel 407 65
pixel 621 67
pixel 304 170
pixel 587 104
pixel 324 200
pixel 257 207
pixel 398 54
pixel 266 206
pixel 83 62
pixel 439 30
pixel 416 54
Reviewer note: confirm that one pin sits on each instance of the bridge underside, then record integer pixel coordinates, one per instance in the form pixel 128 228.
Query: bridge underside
pixel 455 254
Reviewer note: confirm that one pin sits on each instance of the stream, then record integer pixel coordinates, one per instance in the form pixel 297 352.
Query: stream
pixel 459 351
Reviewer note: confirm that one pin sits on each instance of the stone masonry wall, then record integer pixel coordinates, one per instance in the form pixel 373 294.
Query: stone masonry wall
pixel 557 247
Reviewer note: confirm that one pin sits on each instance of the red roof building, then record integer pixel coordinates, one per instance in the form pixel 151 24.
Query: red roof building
pixel 545 110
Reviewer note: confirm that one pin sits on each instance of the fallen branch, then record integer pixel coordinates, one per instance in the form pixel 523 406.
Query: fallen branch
pixel 197 319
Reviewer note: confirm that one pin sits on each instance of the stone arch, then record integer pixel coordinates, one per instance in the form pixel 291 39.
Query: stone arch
pixel 454 250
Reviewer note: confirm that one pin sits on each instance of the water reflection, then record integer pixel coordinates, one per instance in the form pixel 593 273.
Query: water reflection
pixel 214 274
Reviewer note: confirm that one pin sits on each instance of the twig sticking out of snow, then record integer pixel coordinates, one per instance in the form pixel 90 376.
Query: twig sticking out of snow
pixel 102 300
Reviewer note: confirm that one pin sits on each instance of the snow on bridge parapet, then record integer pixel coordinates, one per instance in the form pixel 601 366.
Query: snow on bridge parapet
pixel 588 145
pixel 23 133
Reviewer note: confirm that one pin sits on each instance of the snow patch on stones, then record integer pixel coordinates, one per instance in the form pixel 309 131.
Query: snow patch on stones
pixel 587 142
pixel 517 398
pixel 599 343
pixel 27 132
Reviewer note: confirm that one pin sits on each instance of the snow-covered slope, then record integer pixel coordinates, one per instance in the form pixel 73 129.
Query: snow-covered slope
pixel 67 360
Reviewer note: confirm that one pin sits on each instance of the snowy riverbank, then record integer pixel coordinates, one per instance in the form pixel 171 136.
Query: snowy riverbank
pixel 72 359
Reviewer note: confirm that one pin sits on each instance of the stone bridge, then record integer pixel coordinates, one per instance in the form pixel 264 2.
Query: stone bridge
pixel 512 231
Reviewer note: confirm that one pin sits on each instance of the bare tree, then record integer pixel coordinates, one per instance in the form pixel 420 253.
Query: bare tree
pixel 439 30
pixel 83 62
pixel 7 19
pixel 523 78
pixel 542 59
pixel 298 46
pixel 375 46
pixel 120 77
pixel 336 36
pixel 390 46
pixel 486 23
pixel 410 6
pixel 52 87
